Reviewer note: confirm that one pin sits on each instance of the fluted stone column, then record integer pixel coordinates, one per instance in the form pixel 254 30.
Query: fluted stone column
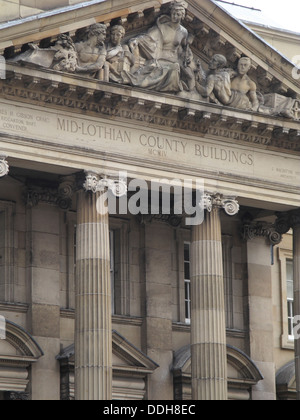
pixel 208 328
pixel 93 325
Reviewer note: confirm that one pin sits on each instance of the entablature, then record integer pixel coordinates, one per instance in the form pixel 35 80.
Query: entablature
pixel 50 88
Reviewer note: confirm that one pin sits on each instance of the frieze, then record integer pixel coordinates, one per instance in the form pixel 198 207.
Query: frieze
pixel 166 58
pixel 162 117
pixel 132 142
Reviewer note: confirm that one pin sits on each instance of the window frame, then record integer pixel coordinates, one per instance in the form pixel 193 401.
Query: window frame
pixel 187 285
pixel 287 340
pixel 9 210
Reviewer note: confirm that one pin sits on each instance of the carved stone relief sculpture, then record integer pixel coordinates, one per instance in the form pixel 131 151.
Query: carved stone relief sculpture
pixel 167 54
pixel 162 59
pixel 62 56
pixel 91 51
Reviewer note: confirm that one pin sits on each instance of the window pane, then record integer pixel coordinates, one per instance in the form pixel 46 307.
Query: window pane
pixel 187 271
pixel 289 270
pixel 290 290
pixel 186 252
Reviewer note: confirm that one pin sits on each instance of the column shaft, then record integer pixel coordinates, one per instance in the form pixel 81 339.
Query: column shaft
pixel 208 330
pixel 93 332
pixel 296 258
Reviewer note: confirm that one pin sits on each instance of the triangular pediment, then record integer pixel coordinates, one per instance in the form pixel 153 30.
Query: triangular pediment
pixel 213 29
pixel 161 70
pixel 125 355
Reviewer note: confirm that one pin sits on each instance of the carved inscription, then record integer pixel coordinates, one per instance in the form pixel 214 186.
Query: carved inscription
pixel 147 145
pixel 93 130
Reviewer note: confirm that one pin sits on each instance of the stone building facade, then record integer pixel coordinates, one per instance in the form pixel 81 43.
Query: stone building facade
pixel 188 125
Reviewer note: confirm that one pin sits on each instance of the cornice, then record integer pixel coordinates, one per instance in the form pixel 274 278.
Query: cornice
pixel 65 91
pixel 68 19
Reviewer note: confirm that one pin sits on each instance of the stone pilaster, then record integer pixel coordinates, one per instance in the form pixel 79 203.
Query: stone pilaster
pixel 208 329
pixel 93 325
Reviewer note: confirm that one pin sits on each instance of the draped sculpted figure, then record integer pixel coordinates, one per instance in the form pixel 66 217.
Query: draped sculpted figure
pixel 166 53
pixel 120 59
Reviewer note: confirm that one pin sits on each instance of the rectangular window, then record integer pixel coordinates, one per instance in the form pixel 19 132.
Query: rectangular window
pixel 187 281
pixel 290 295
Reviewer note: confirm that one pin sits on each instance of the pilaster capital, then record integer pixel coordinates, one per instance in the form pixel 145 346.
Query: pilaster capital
pixel 59 195
pixel 4 168
pixel 229 204
pixel 287 220
pixel 97 183
pixel 253 230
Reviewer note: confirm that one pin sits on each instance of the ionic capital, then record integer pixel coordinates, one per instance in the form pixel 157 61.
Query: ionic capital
pixel 96 183
pixel 59 195
pixel 228 204
pixel 4 168
pixel 266 230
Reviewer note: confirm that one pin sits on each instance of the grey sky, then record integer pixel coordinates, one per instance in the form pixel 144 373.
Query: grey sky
pixel 286 12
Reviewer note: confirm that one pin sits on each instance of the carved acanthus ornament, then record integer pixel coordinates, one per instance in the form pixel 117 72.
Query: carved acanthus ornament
pixel 228 204
pixel 95 183
pixel 4 168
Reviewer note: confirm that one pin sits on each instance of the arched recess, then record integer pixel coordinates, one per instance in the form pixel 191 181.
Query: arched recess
pixel 242 374
pixel 17 353
pixel 130 370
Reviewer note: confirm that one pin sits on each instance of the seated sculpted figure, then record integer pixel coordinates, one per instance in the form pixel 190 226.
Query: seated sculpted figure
pixel 119 58
pixel 91 51
pixel 243 89
pixel 217 85
pixel 166 52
